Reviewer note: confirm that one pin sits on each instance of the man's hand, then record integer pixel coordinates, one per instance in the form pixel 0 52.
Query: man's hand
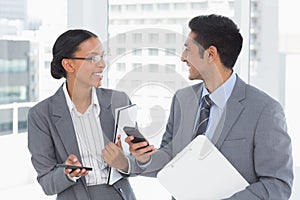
pixel 73 160
pixel 114 156
pixel 140 151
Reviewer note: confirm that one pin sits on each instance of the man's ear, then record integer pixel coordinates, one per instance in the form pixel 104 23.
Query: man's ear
pixel 67 65
pixel 212 52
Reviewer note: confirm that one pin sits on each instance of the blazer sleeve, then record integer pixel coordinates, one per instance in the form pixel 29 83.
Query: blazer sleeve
pixel 41 147
pixel 164 153
pixel 272 157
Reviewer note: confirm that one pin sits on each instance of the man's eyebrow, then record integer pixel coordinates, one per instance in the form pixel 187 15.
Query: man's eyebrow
pixel 185 44
pixel 96 53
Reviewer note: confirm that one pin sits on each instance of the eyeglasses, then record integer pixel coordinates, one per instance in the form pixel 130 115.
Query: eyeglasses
pixel 94 59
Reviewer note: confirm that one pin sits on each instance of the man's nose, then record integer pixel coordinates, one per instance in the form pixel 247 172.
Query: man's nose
pixel 183 56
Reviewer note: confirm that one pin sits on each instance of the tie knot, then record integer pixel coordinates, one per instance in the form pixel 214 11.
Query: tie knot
pixel 207 102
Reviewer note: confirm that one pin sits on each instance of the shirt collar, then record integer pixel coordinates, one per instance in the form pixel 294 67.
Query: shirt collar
pixel 222 93
pixel 71 105
pixel 95 100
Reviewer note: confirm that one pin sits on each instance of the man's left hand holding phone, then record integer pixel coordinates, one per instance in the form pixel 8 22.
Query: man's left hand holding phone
pixel 140 149
pixel 70 168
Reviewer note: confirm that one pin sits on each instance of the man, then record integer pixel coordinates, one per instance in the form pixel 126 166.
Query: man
pixel 244 123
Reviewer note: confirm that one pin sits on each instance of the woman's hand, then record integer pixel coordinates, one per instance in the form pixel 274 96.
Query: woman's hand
pixel 114 156
pixel 73 160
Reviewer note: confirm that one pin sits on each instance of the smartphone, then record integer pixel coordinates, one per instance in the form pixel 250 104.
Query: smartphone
pixel 138 137
pixel 74 167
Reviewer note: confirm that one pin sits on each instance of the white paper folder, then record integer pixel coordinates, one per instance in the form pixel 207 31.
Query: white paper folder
pixel 200 171
pixel 124 116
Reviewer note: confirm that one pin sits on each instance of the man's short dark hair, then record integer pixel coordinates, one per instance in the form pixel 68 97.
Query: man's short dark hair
pixel 221 32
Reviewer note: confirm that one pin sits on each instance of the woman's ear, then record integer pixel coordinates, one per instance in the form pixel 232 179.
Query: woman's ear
pixel 67 65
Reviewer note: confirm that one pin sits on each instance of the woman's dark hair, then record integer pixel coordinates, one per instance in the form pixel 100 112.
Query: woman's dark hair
pixel 64 47
pixel 221 32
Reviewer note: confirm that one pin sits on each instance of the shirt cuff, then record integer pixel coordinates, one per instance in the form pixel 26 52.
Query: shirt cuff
pixel 73 179
pixel 143 165
pixel 129 168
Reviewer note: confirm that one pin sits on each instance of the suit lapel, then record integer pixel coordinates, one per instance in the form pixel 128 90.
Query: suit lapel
pixel 232 111
pixel 193 104
pixel 188 105
pixel 106 116
pixel 64 125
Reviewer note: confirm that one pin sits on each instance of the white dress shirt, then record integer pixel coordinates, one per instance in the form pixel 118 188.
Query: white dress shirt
pixel 219 97
pixel 89 138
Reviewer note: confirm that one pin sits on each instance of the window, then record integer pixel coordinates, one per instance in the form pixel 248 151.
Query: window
pixel 180 6
pixel 131 7
pixel 47 64
pixel 13 66
pixel 163 6
pixel 170 38
pixel 137 37
pixel 120 51
pixel 147 7
pixel 153 67
pixel 6 121
pixel 121 38
pixel 153 52
pixel 153 38
pixel 199 5
pixel 10 94
pixel 137 52
pixel 22 121
pixel 121 67
pixel 170 52
pixel 115 8
pixel 137 67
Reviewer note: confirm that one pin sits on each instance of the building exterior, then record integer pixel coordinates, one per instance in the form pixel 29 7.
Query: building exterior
pixel 19 80
pixel 13 16
pixel 13 9
pixel 18 66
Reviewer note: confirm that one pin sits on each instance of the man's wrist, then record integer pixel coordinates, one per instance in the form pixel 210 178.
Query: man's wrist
pixel 144 164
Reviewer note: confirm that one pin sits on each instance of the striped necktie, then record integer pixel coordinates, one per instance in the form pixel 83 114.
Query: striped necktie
pixel 204 115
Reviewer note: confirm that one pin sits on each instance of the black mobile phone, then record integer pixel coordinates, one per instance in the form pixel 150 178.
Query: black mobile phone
pixel 138 137
pixel 74 167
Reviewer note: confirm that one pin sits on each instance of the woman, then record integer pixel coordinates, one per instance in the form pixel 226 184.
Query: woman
pixel 73 126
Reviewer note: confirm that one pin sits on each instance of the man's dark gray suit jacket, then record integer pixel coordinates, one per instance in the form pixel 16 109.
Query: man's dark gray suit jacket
pixel 252 136
pixel 51 139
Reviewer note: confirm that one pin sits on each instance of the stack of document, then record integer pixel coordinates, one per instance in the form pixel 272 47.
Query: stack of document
pixel 200 171
pixel 124 116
